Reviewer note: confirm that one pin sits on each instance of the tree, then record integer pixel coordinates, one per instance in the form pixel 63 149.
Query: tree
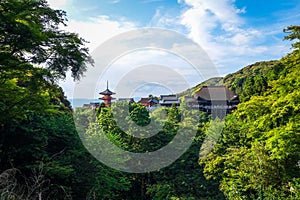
pixel 293 34
pixel 258 153
pixel 36 124
pixel 184 178
pixel 254 86
pixel 30 33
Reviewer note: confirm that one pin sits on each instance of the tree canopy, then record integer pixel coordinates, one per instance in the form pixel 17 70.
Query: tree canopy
pixel 258 156
pixel 30 33
pixel 42 156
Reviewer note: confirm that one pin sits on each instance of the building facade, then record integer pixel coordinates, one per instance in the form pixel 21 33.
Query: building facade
pixel 169 100
pixel 216 100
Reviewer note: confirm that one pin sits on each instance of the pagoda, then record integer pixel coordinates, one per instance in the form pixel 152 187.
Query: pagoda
pixel 107 96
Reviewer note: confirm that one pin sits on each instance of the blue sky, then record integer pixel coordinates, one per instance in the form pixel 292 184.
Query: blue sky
pixel 232 33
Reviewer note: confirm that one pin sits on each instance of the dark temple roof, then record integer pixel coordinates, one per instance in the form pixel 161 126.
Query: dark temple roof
pixel 169 99
pixel 107 92
pixel 215 93
pixel 148 100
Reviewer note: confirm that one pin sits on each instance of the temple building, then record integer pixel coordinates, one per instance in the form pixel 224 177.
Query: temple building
pixel 107 96
pixel 148 102
pixel 216 100
pixel 169 100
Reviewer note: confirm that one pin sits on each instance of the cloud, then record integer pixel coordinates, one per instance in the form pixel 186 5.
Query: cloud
pixel 217 26
pixel 205 17
pixel 99 29
pixel 95 31
pixel 57 4
pixel 163 19
pixel 227 38
pixel 115 1
pixel 161 57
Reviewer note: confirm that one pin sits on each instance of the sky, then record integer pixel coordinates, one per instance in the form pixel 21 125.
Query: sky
pixel 231 33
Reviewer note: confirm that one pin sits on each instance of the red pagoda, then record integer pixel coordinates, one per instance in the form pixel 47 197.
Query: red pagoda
pixel 107 96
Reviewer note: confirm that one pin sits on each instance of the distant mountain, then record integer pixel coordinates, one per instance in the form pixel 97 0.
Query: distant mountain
pixel 236 80
pixel 210 82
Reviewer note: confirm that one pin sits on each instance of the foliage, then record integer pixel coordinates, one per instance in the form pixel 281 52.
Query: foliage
pixel 42 157
pixel 246 82
pixel 236 81
pixel 30 33
pixel 184 178
pixel 36 124
pixel 293 33
pixel 258 154
pixel 210 82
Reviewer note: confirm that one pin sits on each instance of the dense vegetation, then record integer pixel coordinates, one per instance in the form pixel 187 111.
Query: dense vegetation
pixel 258 155
pixel 210 82
pixel 240 80
pixel 181 180
pixel 42 157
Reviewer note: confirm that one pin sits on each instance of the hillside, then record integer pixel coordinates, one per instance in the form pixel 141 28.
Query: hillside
pixel 210 82
pixel 257 153
pixel 235 81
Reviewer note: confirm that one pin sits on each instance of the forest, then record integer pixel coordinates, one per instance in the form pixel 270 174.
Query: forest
pixel 42 156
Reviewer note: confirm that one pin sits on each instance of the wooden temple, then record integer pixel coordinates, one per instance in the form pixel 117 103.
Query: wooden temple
pixel 216 100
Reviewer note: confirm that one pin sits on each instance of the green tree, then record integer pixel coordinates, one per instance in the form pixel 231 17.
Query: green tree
pixel 258 154
pixel 184 178
pixel 293 34
pixel 30 33
pixel 36 124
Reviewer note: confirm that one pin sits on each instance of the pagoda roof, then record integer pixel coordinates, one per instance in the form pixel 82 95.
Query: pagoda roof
pixel 107 92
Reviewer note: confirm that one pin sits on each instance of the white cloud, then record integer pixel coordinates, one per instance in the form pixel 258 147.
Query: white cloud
pixel 216 25
pixel 57 4
pixel 95 31
pixel 115 1
pixel 119 60
pixel 204 17
pixel 220 30
pixel 242 10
